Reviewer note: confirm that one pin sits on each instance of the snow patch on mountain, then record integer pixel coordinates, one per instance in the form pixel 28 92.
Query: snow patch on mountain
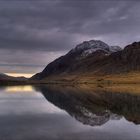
pixel 88 47
pixel 115 48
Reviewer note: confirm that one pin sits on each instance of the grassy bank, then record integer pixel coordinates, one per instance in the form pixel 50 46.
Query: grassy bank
pixel 125 78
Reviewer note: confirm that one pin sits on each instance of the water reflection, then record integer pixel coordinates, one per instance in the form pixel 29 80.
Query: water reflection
pixel 17 89
pixel 68 113
pixel 94 107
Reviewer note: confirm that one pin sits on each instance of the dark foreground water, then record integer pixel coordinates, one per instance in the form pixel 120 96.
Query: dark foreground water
pixel 67 113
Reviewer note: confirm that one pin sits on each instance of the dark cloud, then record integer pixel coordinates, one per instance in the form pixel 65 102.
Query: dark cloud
pixel 58 25
pixel 25 62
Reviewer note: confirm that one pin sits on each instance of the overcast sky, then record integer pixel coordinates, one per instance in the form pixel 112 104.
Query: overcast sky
pixel 35 32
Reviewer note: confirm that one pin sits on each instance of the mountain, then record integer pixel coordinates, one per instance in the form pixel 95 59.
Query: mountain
pixel 75 60
pixel 93 61
pixel 6 79
pixel 3 76
pixel 88 47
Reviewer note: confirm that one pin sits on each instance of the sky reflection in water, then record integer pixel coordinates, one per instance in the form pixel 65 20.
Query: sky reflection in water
pixel 27 114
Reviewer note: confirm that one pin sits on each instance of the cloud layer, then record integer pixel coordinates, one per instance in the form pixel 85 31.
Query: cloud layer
pixel 35 32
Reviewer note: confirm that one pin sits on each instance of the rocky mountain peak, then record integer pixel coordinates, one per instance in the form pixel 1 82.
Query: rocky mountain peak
pixel 94 56
pixel 89 47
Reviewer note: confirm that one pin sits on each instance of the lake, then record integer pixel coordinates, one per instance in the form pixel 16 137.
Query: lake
pixel 68 113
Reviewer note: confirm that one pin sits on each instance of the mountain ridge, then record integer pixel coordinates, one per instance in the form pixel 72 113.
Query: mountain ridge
pixel 100 60
pixel 67 62
pixel 6 79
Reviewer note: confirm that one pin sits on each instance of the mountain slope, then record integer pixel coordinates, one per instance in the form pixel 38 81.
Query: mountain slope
pixel 92 59
pixel 127 60
pixel 6 79
pixel 95 49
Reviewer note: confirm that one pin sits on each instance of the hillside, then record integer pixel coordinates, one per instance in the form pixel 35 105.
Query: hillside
pixel 92 59
pixel 6 79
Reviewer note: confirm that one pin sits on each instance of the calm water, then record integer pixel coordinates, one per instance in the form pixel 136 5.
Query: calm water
pixel 67 113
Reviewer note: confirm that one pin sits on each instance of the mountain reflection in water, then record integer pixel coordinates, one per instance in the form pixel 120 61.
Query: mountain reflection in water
pixel 94 106
pixel 69 113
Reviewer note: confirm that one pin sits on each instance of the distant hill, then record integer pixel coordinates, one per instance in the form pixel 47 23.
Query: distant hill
pixel 6 79
pixel 94 58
